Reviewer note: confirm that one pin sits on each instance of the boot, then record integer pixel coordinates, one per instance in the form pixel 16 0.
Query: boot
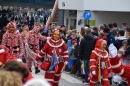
pixel 30 69
pixel 110 80
pixel 24 61
pixel 37 70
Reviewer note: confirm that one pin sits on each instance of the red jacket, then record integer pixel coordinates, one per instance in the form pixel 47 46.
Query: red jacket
pixel 60 47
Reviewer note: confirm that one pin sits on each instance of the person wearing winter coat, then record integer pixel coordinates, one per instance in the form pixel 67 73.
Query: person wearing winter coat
pixel 87 44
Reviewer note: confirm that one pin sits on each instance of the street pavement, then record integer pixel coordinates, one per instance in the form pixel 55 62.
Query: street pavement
pixel 66 79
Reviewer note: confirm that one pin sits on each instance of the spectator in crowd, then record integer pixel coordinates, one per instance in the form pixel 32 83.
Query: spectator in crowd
pixel 72 56
pixel 121 37
pixel 110 36
pixel 95 32
pixel 127 32
pixel 86 46
pixel 9 79
pixel 44 32
pixel 115 26
pixel 110 26
pixel 82 33
pixel 49 32
pixel 127 52
pixel 116 33
pixel 124 26
pixel 3 30
pixel 105 25
pixel 124 59
pixel 100 28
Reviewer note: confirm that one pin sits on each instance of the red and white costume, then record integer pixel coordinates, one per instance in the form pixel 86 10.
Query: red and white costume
pixel 62 53
pixel 23 34
pixel 32 39
pixel 117 67
pixel 98 57
pixel 13 41
pixel 5 57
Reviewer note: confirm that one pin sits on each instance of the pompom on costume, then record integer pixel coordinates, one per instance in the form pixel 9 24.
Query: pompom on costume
pixel 99 65
pixel 13 40
pixel 60 48
pixel 117 67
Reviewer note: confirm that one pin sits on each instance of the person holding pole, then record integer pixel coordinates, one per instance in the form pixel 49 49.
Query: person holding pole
pixel 56 57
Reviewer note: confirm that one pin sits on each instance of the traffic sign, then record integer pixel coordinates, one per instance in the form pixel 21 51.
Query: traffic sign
pixel 87 15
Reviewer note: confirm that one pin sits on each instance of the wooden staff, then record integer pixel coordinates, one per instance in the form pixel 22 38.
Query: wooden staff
pixel 99 72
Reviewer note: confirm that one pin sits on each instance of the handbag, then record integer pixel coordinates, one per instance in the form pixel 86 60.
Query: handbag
pixel 45 65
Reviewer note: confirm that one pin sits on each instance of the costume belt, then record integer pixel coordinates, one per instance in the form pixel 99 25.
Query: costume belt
pixel 60 59
pixel 16 49
pixel 31 46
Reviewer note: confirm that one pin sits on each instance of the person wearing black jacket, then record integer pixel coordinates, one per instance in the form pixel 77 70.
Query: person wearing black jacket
pixel 87 44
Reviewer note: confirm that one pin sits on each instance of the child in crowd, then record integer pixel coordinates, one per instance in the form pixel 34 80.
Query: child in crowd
pixel 73 57
pixel 124 59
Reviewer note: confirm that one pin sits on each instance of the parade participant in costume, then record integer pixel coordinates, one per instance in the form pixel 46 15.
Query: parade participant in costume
pixel 32 40
pixel 24 33
pixel 13 40
pixel 99 64
pixel 58 46
pixel 117 67
pixel 6 57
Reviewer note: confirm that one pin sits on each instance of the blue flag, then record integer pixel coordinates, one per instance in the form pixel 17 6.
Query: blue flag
pixel 54 62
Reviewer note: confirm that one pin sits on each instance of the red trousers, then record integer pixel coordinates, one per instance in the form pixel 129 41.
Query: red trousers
pixel 54 77
pixel 94 78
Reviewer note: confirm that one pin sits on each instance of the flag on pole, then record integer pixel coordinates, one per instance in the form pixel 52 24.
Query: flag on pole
pixel 54 62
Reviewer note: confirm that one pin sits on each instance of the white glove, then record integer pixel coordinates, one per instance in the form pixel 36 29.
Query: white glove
pixel 66 63
pixel 48 38
pixel 112 50
pixel 19 60
pixel 117 79
pixel 94 72
pixel 2 50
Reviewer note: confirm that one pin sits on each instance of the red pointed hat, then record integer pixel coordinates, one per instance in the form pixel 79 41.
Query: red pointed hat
pixel 99 43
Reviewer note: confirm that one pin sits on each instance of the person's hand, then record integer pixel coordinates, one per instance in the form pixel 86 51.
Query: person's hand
pixel 48 38
pixel 65 63
pixel 112 50
pixel 19 60
pixel 1 63
pixel 94 72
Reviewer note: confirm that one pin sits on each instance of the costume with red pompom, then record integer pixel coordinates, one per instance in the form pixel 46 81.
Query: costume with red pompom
pixel 99 59
pixel 5 56
pixel 13 40
pixel 32 39
pixel 61 50
pixel 117 67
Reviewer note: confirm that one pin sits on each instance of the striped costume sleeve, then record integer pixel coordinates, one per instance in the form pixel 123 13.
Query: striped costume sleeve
pixel 4 39
pixel 93 62
pixel 65 52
